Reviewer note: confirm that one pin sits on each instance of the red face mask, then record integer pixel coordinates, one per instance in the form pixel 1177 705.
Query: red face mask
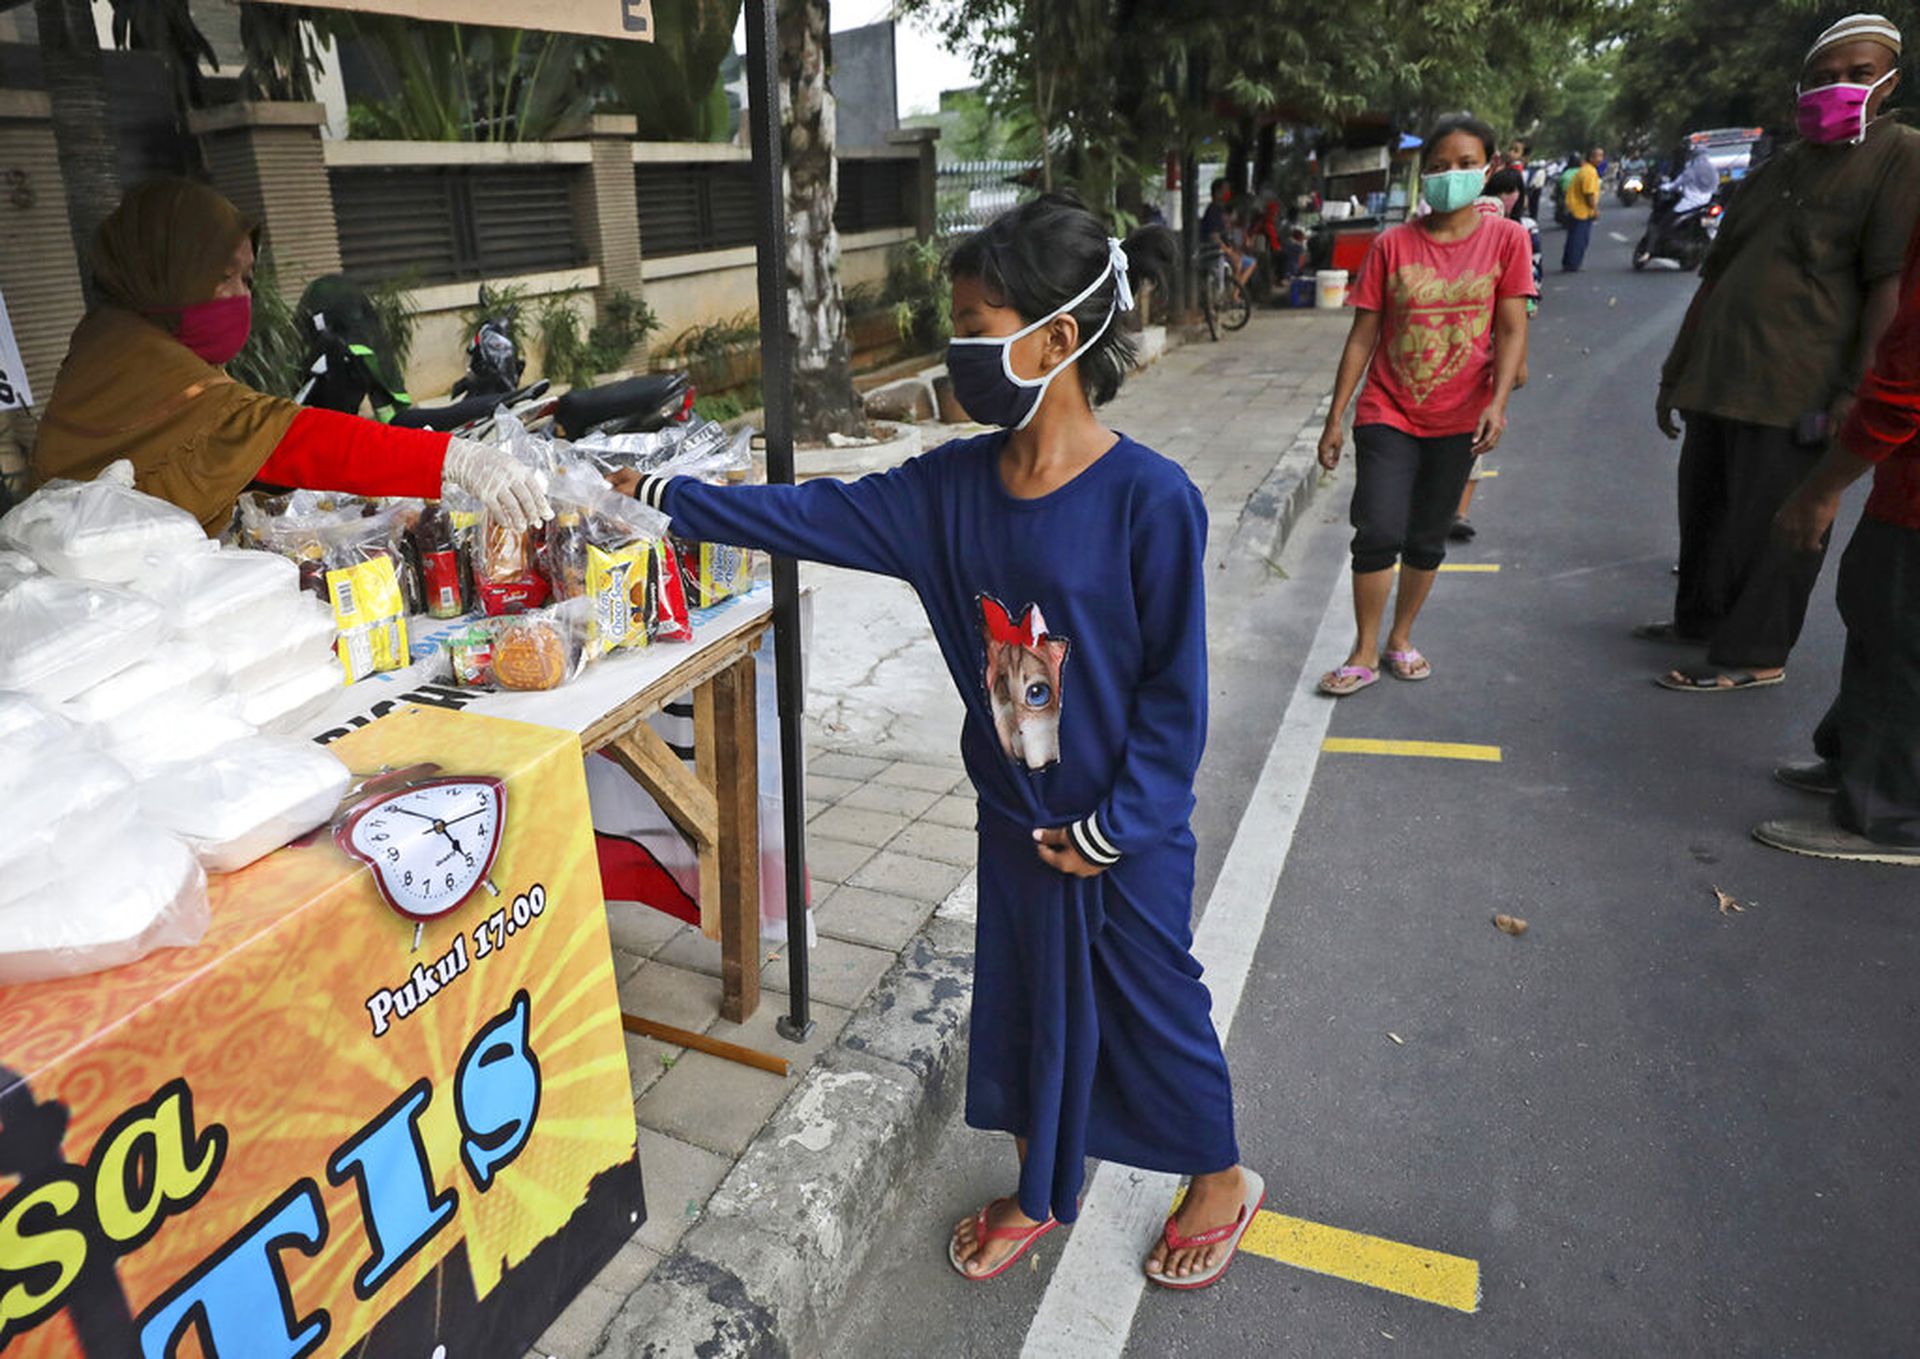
pixel 216 330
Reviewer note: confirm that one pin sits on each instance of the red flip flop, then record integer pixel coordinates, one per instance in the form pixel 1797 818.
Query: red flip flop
pixel 1026 1236
pixel 1256 1195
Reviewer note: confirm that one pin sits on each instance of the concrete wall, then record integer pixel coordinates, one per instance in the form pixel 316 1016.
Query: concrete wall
pixel 689 290
pixel 440 332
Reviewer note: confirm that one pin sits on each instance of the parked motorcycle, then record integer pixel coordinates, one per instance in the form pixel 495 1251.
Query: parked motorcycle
pixel 347 365
pixel 1679 237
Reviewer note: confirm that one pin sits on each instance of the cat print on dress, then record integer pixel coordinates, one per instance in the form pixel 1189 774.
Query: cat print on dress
pixel 1023 682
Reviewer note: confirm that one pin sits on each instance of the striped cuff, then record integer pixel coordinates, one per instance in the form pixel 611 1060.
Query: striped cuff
pixel 1092 844
pixel 652 491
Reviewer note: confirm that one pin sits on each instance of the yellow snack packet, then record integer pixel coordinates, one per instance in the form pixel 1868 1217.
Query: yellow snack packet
pixel 713 571
pixel 371 614
pixel 617 591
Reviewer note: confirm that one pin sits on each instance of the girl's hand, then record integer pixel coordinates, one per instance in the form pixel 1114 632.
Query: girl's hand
pixel 1331 439
pixel 625 481
pixel 1057 852
pixel 1486 434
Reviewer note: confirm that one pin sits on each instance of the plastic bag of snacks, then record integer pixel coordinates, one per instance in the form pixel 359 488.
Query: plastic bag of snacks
pixel 101 530
pixel 137 892
pixel 59 637
pixel 369 606
pixel 247 800
pixel 504 574
pixel 541 649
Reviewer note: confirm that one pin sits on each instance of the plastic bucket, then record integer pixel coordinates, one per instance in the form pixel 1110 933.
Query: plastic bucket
pixel 1330 289
pixel 1300 292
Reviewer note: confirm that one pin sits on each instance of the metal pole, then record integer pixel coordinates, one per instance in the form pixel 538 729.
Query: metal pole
pixel 776 383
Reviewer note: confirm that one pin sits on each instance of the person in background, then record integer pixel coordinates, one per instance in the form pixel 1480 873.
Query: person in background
pixel 1698 183
pixel 1516 156
pixel 1583 210
pixel 1440 334
pixel 1598 160
pixel 1869 742
pixel 1563 189
pixel 144 379
pixel 1506 190
pixel 1536 189
pixel 1794 295
pixel 1217 232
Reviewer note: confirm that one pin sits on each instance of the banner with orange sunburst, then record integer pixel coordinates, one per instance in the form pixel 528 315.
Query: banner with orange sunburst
pixel 240 1149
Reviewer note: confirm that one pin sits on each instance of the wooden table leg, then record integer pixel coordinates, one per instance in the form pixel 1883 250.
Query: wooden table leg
pixel 726 735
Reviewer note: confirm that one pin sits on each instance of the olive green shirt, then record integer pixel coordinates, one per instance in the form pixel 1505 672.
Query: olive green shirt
pixel 1777 334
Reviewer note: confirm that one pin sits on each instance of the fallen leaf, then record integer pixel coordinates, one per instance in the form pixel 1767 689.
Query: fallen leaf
pixel 1398 1039
pixel 1728 904
pixel 1510 924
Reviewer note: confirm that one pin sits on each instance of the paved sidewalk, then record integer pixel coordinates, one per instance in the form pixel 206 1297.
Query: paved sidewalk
pixel 760 1190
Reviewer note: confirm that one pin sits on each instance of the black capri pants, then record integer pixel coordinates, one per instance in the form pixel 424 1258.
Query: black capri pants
pixel 1405 492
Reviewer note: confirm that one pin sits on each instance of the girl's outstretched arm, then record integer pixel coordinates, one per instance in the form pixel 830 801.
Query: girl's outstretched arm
pixel 879 523
pixel 1152 794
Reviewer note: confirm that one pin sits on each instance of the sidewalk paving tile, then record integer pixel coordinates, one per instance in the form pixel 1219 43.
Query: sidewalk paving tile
pixel 680 1177
pixel 935 778
pixel 931 840
pixel 720 1105
pixel 692 952
pixel 877 919
pixel 958 810
pixel 639 928
pixel 672 995
pixel 834 861
pixel 861 826
pixel 907 876
pixel 826 788
pixel 647 1061
pixel 890 797
pixel 575 1333
pixel 837 972
pixel 837 764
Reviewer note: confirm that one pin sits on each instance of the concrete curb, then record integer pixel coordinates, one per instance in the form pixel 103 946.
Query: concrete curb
pixel 785 1234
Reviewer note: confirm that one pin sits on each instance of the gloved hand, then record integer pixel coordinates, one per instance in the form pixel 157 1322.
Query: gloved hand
pixel 513 493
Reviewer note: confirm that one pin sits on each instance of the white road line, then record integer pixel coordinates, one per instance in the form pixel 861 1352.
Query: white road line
pixel 1087 1312
pixel 1618 237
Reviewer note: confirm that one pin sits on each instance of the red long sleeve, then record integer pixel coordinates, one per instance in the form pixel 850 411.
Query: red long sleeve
pixel 1885 419
pixel 329 451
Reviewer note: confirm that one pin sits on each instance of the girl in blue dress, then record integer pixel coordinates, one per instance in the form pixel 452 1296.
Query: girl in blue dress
pixel 1062 566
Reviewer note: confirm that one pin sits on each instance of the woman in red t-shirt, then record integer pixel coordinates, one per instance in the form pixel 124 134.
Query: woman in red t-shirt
pixel 1440 334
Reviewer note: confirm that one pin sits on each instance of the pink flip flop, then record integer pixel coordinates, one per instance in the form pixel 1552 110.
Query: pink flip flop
pixel 1231 1234
pixel 1358 672
pixel 1026 1236
pixel 1410 659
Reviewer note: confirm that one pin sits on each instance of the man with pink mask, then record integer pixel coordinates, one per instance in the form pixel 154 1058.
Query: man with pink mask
pixel 1794 296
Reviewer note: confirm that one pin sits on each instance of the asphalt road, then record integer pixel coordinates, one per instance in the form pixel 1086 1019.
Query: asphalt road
pixel 1658 1128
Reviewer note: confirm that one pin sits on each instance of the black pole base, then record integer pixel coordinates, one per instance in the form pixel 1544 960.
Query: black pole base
pixel 793 1033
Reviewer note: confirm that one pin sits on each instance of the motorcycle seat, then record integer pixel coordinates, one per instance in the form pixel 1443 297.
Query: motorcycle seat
pixel 584 407
pixel 460 413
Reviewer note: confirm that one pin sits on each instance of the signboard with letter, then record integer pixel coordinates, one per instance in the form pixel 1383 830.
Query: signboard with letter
pixel 381 1109
pixel 14 392
pixel 631 19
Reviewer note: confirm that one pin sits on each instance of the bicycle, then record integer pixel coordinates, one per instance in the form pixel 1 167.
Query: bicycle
pixel 1224 302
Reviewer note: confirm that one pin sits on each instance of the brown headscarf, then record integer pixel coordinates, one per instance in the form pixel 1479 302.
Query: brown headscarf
pixel 128 389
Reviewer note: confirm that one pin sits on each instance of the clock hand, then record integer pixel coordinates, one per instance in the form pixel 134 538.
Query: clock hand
pixel 475 812
pixel 408 811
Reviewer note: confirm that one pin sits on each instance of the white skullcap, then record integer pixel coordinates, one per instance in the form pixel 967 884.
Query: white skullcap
pixel 1859 28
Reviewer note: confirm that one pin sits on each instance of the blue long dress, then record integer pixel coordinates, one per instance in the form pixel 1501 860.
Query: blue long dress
pixel 1074 625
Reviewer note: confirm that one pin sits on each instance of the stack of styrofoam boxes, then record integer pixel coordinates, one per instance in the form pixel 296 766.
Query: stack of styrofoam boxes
pixel 139 666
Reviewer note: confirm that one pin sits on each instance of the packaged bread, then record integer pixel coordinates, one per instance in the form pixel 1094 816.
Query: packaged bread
pixel 535 650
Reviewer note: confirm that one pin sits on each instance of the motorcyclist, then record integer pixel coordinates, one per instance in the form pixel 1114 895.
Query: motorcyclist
pixel 1697 183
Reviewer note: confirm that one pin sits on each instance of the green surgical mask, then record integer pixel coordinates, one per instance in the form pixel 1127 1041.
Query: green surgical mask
pixel 1451 190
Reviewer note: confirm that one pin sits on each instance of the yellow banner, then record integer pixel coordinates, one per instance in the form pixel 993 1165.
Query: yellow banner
pixel 314 1129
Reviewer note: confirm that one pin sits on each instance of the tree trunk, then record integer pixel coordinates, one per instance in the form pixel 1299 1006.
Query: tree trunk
pixel 70 57
pixel 824 399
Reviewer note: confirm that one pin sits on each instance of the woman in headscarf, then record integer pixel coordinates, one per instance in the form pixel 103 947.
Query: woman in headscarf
pixel 143 380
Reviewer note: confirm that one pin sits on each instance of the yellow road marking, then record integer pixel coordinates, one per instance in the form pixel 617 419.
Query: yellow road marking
pixel 1426 1275
pixel 1490 472
pixel 1431 750
pixel 1477 568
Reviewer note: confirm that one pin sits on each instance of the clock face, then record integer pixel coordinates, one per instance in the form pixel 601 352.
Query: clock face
pixel 429 844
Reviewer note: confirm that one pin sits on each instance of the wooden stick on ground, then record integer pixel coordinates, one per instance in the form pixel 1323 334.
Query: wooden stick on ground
pixel 699 1042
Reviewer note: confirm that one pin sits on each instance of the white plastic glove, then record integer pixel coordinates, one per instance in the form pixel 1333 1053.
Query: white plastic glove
pixel 512 492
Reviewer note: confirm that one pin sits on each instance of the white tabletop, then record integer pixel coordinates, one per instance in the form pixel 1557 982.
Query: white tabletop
pixel 574 706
